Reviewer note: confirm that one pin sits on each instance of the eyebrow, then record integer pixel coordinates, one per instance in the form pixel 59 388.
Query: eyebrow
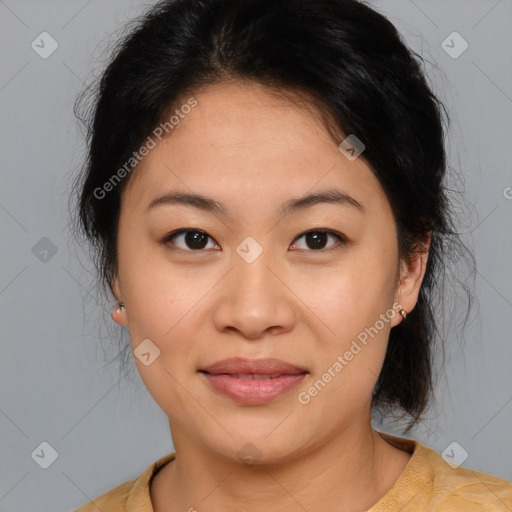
pixel 330 196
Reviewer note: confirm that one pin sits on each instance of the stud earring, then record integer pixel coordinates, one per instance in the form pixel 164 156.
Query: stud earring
pixel 118 310
pixel 403 313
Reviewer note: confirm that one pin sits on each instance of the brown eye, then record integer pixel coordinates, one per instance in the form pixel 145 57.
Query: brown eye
pixel 195 240
pixel 191 239
pixel 317 240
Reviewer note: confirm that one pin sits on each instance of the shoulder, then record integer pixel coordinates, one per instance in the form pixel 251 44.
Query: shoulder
pixel 130 495
pixel 113 500
pixel 430 483
pixel 468 489
pixel 455 487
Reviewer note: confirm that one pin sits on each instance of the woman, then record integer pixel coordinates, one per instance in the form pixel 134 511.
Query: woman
pixel 265 188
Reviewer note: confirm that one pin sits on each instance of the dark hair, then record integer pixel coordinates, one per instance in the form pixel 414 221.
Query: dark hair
pixel 340 56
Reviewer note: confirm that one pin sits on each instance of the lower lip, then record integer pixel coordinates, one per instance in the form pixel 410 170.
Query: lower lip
pixel 253 391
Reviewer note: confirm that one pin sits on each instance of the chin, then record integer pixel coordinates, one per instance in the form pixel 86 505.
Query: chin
pixel 258 450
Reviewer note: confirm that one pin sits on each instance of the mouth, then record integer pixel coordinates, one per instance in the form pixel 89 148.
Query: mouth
pixel 253 368
pixel 256 376
pixel 253 381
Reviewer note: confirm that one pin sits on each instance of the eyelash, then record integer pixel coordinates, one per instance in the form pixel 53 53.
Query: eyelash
pixel 341 240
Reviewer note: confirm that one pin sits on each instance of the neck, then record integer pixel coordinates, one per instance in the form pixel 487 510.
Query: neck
pixel 353 470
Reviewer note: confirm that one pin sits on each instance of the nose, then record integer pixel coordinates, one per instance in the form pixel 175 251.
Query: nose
pixel 254 300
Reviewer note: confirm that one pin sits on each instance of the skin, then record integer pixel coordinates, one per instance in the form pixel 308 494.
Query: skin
pixel 252 151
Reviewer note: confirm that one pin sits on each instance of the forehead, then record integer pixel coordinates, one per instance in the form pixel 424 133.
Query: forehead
pixel 251 139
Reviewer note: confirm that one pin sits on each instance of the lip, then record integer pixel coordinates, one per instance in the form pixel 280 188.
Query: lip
pixel 241 365
pixel 223 376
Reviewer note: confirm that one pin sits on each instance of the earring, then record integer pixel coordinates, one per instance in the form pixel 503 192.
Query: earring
pixel 403 313
pixel 118 310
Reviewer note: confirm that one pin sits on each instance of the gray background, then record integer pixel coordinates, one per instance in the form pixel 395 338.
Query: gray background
pixel 54 380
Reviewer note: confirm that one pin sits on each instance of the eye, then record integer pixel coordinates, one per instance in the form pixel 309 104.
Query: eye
pixel 195 239
pixel 317 238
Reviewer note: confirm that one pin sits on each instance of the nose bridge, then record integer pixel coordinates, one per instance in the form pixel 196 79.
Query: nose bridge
pixel 254 299
pixel 251 273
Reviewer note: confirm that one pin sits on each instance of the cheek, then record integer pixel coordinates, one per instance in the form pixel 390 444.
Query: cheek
pixel 354 296
pixel 164 302
pixel 349 361
pixel 163 309
pixel 355 303
pixel 159 294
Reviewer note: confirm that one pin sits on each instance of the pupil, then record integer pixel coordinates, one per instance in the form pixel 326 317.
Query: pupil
pixel 195 239
pixel 315 240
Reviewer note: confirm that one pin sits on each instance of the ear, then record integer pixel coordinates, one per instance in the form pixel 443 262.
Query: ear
pixel 119 318
pixel 412 272
pixel 116 289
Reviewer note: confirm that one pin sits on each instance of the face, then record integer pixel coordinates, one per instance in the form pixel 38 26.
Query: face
pixel 245 280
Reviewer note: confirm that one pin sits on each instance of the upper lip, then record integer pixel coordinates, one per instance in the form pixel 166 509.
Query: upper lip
pixel 243 366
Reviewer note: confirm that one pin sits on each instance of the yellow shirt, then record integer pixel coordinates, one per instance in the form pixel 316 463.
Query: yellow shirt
pixel 427 484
